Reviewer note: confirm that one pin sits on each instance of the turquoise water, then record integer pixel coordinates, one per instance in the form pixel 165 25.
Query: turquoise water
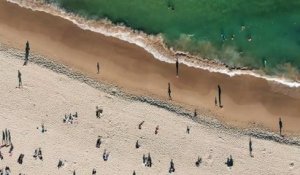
pixel 260 34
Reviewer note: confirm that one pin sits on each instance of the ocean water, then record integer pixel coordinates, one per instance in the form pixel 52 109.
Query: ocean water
pixel 256 34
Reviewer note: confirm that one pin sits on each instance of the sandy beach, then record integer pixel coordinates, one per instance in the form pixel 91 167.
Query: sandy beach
pixel 46 97
pixel 248 101
pixel 61 90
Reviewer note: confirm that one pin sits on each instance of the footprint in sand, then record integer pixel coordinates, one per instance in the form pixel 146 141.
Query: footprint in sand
pixel 264 152
pixel 91 130
pixel 208 159
pixel 221 139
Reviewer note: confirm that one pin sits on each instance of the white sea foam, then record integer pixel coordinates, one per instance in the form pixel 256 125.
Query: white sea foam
pixel 152 44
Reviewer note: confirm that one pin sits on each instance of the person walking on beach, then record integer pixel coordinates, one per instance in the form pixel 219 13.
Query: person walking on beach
pixel 199 160
pixel 137 145
pixel 280 126
pixel 169 91
pixel 20 78
pixel 149 161
pixel 172 168
pixel 219 96
pixel 140 125
pixel 250 147
pixel 27 49
pixel 98 67
pixel 98 143
pixel 11 149
pixel 177 68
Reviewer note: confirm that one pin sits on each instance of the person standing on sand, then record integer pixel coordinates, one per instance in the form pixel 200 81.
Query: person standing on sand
pixel 27 49
pixel 1 157
pixel 20 78
pixel 149 160
pixel 169 91
pixel 188 129
pixel 137 145
pixel 280 126
pixel 250 147
pixel 98 67
pixel 6 137
pixel 177 68
pixel 3 137
pixel 9 137
pixel 98 143
pixel 195 113
pixel 11 149
pixel 156 129
pixel 219 96
pixel 172 167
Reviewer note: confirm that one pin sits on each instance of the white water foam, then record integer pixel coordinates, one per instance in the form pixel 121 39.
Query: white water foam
pixel 152 44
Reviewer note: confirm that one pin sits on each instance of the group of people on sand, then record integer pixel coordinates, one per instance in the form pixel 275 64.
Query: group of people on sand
pixel 27 49
pixel 6 138
pixel 147 161
pixel 42 128
pixel 38 154
pixel 6 142
pixel 70 119
pixel 94 172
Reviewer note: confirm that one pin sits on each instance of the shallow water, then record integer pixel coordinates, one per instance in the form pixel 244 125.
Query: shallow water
pixel 257 34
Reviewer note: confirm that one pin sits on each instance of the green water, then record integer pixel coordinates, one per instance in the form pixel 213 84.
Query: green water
pixel 214 29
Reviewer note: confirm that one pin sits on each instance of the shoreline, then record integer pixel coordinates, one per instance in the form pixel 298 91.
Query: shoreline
pixel 207 121
pixel 121 65
pixel 153 44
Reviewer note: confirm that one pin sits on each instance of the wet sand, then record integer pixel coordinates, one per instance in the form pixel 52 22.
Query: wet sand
pixel 248 101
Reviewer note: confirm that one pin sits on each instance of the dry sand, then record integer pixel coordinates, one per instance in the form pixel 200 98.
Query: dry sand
pixel 46 96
